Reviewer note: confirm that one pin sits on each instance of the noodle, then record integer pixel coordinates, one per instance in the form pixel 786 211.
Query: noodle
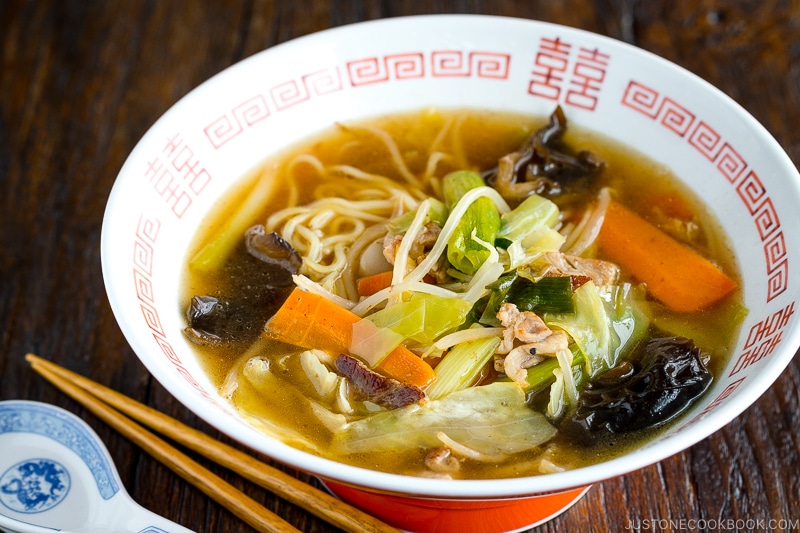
pixel 306 284
pixel 438 142
pixel 325 231
pixel 356 250
pixel 387 185
pixel 394 151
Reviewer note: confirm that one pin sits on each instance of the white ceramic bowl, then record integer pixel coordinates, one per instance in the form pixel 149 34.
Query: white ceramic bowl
pixel 232 122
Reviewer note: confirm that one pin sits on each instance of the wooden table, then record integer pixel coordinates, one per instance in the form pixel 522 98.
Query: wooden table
pixel 81 82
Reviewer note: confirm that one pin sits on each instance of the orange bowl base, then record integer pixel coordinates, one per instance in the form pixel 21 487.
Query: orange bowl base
pixel 431 515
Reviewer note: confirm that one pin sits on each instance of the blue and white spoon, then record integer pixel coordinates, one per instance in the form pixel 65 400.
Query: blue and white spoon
pixel 57 475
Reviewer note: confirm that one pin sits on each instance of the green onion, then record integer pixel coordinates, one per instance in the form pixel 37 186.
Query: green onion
pixel 541 374
pixel 498 294
pixel 502 243
pixel 548 295
pixel 552 294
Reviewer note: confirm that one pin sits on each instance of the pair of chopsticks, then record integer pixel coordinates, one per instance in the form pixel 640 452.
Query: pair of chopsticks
pixel 108 405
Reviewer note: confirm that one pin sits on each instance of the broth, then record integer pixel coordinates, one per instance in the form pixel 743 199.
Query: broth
pixel 279 403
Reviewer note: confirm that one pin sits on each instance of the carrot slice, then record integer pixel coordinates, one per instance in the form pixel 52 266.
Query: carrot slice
pixel 404 365
pixel 308 320
pixel 671 205
pixel 311 321
pixel 369 285
pixel 675 274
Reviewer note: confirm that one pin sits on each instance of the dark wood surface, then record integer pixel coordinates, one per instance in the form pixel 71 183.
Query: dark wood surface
pixel 82 81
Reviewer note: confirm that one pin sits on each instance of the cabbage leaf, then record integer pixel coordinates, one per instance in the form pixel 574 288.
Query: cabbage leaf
pixel 528 230
pixel 534 212
pixel 605 325
pixel 491 419
pixel 481 217
pixel 421 319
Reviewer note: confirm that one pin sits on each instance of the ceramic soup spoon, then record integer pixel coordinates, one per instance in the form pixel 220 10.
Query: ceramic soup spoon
pixel 57 475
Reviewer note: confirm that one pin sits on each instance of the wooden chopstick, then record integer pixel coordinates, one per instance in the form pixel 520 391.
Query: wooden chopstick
pixel 244 507
pixel 315 501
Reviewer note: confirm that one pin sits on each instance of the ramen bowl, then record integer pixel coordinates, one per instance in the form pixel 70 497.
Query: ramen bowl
pixel 230 124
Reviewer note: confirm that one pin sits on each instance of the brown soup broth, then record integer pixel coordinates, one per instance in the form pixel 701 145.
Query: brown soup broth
pixel 477 139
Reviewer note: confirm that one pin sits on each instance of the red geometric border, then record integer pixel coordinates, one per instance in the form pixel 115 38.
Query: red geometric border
pixel 721 397
pixel 145 237
pixel 766 219
pixel 490 65
pixel 641 98
pixel 730 163
pixel 143 256
pixel 729 389
pixel 675 117
pixel 778 280
pixel 357 73
pixel 751 191
pixel 705 140
pixel 224 128
pixel 455 63
pixel 251 111
pixel 371 70
pixel 775 251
